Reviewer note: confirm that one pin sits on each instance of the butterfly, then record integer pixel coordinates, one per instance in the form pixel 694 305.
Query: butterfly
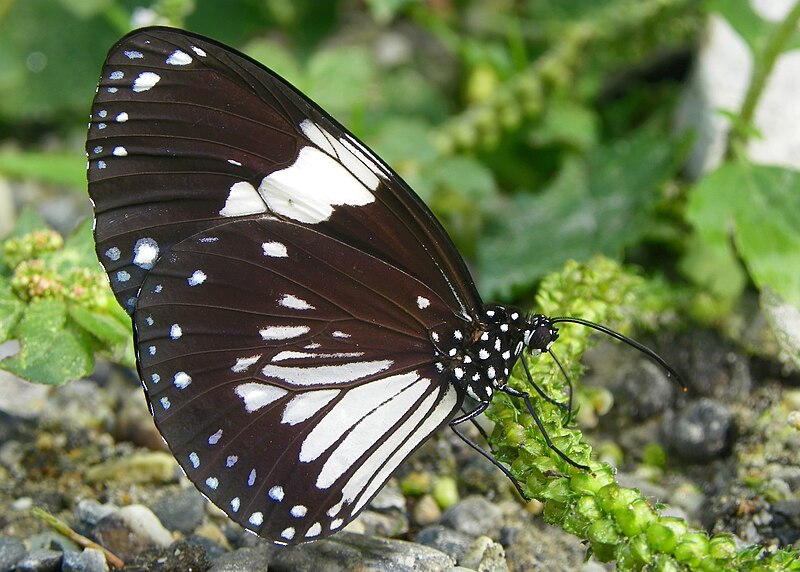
pixel 302 321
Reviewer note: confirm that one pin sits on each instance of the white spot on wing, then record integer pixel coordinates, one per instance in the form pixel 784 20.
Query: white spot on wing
pixel 304 405
pixel 355 405
pixel 298 511
pixel 123 276
pixel 181 380
pixel 175 331
pixel 235 502
pixel 295 303
pixel 243 364
pixel 194 459
pixel 422 302
pixel 308 190
pixel 315 529
pixel 134 54
pixel 336 523
pixel 283 332
pixel 340 334
pixel 120 152
pixel 256 519
pixel 165 403
pixel 199 51
pixel 179 58
pixel 343 373
pixel 145 81
pixel 145 253
pixel 215 437
pixel 197 277
pixel 287 533
pixel 231 460
pixel 243 200
pixel 122 117
pixel 276 493
pixel 316 135
pixel 257 395
pixel 212 482
pixel 251 478
pixel 274 249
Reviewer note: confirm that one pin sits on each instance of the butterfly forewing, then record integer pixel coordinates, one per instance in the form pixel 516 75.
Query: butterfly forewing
pixel 187 133
pixel 288 396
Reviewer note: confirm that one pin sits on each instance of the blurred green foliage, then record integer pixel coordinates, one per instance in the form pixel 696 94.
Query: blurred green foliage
pixel 539 132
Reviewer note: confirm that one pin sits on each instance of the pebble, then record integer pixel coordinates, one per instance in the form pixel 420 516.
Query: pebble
pixel 447 540
pixel 701 432
pixel 11 551
pixel 486 555
pixel 130 531
pixel 426 511
pixel 339 553
pixel 182 511
pixel 89 560
pixel 244 560
pixel 40 560
pixel 474 516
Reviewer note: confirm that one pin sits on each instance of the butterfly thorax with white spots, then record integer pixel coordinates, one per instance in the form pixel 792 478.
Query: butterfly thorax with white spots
pixel 479 359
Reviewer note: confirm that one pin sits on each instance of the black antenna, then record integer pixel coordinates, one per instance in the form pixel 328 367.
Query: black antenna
pixel 642 348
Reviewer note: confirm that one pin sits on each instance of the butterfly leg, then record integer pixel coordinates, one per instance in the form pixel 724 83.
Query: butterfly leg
pixel 529 406
pixel 471 417
pixel 567 406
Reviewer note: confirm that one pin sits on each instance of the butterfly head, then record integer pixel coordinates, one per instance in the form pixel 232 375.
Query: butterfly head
pixel 540 333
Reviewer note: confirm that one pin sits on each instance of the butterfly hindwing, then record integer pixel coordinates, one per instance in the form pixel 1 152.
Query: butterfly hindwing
pixel 288 372
pixel 187 134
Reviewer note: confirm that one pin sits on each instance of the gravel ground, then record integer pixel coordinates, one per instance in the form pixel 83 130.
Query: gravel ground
pixel 89 454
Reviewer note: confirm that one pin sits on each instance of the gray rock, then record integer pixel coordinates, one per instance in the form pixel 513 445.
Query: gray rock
pixel 11 551
pixel 485 555
pixel 89 512
pixel 475 516
pixel 243 560
pixel 131 531
pixel 90 560
pixel 346 552
pixel 40 560
pixel 182 511
pixel 701 432
pixel 446 540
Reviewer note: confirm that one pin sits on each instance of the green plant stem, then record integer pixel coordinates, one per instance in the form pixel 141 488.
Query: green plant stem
pixel 764 63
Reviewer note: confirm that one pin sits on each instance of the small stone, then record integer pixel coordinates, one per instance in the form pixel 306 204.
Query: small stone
pixel 89 512
pixel 40 560
pixel 485 555
pixel 701 432
pixel 153 467
pixel 90 560
pixel 446 540
pixel 339 552
pixel 426 511
pixel 182 511
pixel 11 551
pixel 130 531
pixel 475 516
pixel 243 560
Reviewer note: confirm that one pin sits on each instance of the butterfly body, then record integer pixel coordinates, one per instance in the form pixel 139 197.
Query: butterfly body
pixel 302 321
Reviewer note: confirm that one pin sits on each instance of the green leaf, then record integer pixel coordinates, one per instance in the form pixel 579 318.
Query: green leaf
pixel 42 77
pixel 339 79
pixel 62 169
pixel 758 207
pixel 113 334
pixel 51 352
pixel 78 250
pixel 600 205
pixel 784 319
pixel 385 10
pixel 568 123
pixel 11 309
